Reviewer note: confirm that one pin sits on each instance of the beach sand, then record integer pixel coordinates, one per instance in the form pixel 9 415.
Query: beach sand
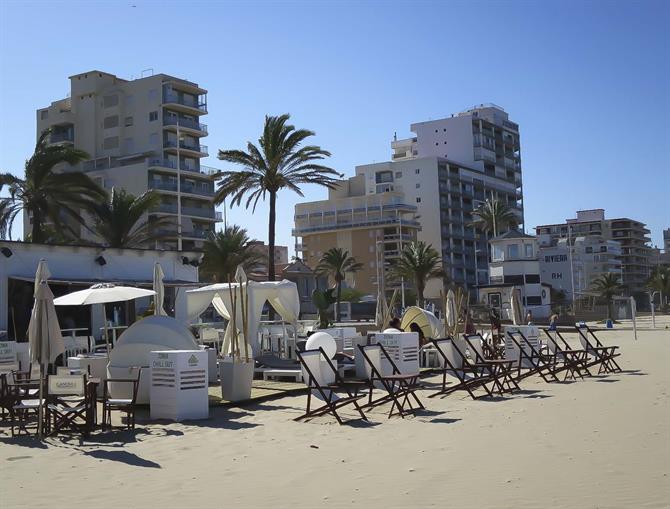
pixel 599 443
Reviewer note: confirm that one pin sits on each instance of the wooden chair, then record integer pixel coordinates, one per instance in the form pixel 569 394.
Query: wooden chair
pixel 603 355
pixel 470 376
pixel 69 402
pixel 499 370
pixel 125 405
pixel 531 359
pixel 575 361
pixel 400 388
pixel 318 371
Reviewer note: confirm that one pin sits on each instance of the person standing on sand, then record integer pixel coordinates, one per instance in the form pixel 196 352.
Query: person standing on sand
pixel 553 321
pixel 529 317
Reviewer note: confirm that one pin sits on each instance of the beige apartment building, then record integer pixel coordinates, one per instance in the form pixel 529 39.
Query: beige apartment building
pixel 142 134
pixel 373 228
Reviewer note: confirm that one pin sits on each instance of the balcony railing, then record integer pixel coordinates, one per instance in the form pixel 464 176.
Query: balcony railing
pixel 186 146
pixel 184 122
pixel 62 137
pixel 185 188
pixel 189 101
pixel 199 212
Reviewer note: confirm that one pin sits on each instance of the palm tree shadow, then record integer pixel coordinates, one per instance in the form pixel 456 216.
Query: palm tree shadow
pixel 123 457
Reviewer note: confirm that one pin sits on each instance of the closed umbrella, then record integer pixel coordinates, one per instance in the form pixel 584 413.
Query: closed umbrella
pixel 102 293
pixel 44 336
pixel 515 303
pixel 159 289
pixel 450 312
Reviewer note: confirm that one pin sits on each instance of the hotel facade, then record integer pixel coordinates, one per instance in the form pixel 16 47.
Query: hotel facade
pixel 140 135
pixel 434 181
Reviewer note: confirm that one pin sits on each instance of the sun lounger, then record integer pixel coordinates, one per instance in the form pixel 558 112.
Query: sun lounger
pixel 470 376
pixel 399 388
pixel 499 370
pixel 604 355
pixel 324 383
pixel 530 358
pixel 574 361
pixel 271 366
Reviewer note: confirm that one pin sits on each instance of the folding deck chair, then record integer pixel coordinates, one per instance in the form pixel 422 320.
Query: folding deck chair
pixel 574 361
pixel 400 388
pixel 500 370
pixel 69 402
pixel 603 355
pixel 530 358
pixel 125 405
pixel 323 382
pixel 470 376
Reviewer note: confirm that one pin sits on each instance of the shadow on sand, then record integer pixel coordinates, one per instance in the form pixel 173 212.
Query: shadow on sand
pixel 122 457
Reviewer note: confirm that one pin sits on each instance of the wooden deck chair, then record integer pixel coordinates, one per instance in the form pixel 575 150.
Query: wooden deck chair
pixel 531 359
pixel 124 405
pixel 399 388
pixel 69 401
pixel 604 355
pixel 324 383
pixel 575 361
pixel 470 376
pixel 500 370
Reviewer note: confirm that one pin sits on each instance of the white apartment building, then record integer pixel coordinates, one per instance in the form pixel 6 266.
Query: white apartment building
pixel 566 266
pixel 141 135
pixel 514 263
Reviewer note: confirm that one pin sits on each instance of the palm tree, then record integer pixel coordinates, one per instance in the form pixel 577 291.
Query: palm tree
pixel 279 162
pixel 607 285
pixel 336 263
pixel 118 220
pixel 660 282
pixel 493 216
pixel 225 250
pixel 418 262
pixel 49 196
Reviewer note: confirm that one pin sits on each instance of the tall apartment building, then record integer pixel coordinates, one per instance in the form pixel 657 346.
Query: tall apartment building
pixel 633 236
pixel 573 264
pixel 372 226
pixel 140 134
pixel 444 172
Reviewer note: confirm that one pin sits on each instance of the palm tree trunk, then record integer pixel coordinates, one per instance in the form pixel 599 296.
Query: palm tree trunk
pixel 36 233
pixel 420 287
pixel 609 309
pixel 271 245
pixel 271 236
pixel 339 294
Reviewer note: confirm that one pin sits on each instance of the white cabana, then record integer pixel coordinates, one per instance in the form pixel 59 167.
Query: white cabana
pixel 282 295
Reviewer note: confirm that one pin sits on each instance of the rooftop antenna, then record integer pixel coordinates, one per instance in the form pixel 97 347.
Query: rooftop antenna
pixel 149 71
pixel 395 135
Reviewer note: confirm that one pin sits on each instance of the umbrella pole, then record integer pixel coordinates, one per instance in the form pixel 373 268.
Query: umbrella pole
pixel 104 323
pixel 40 411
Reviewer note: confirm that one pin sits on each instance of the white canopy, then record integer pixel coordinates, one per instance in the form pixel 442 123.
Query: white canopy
pixel 282 295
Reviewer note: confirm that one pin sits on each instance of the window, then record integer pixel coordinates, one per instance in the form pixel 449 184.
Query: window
pixel 514 280
pixel 111 143
pixel 418 200
pixel 44 114
pixel 589 250
pixel 112 121
pixel 498 254
pixel 128 122
pixel 528 250
pixel 110 101
pixel 513 251
pixel 532 278
pixel 418 186
pixel 494 300
pixel 534 301
pixel 398 174
pixel 382 177
pixel 417 171
pixel 153 115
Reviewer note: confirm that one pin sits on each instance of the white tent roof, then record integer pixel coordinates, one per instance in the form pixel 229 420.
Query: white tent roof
pixel 151 333
pixel 282 295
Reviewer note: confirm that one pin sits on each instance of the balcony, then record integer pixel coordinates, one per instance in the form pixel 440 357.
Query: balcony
pixel 185 103
pixel 185 188
pixel 185 124
pixel 194 149
pixel 63 137
pixel 172 165
pixel 169 208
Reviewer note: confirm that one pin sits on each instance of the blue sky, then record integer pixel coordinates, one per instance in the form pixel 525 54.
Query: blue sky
pixel 588 82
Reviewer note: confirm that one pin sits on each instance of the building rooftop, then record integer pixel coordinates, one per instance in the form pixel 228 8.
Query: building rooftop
pixel 513 234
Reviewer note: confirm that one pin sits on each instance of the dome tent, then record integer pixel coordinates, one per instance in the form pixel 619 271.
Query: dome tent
pixel 134 346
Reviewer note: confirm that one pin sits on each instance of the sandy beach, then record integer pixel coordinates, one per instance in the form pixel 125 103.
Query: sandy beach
pixel 599 443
